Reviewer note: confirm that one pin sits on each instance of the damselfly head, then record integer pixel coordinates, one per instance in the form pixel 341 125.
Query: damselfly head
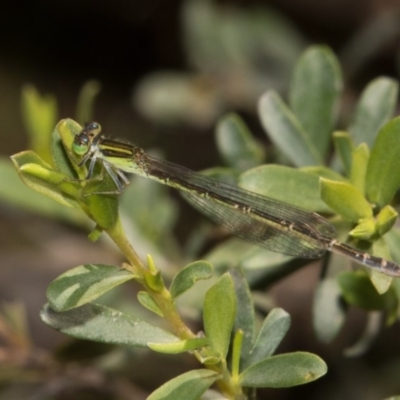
pixel 84 138
pixel 92 128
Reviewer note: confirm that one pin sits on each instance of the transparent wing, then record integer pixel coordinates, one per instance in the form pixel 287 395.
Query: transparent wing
pixel 266 222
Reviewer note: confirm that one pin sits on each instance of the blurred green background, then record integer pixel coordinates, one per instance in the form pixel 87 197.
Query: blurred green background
pixel 168 70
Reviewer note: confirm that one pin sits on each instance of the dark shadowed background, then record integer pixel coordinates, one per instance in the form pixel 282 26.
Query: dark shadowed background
pixel 59 45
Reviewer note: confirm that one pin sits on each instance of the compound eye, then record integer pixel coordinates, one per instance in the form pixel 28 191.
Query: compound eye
pixel 83 140
pixel 93 128
pixel 80 147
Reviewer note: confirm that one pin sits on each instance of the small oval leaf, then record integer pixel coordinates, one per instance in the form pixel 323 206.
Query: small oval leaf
pixel 16 193
pixel 381 282
pixel 148 302
pixel 41 177
pixel 219 314
pixel 189 275
pixel 83 284
pixel 358 290
pixel 359 164
pixel 285 184
pixel 284 370
pixel 245 315
pixel 345 199
pixel 328 311
pixel 68 128
pixel 189 386
pixel 383 171
pixel 316 86
pixel 386 219
pixel 375 107
pixel 106 325
pixel 178 347
pixel 324 172
pixel 39 116
pixel 237 146
pixel 272 331
pixel 392 239
pixel 286 132
pixel 343 148
pixel 87 95
pixel 365 230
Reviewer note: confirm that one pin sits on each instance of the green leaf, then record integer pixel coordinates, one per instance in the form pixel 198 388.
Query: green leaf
pixel 102 208
pixel 189 386
pixel 237 146
pixel 236 354
pixel 223 174
pixel 39 176
pixel 83 284
pixel 106 325
pixel 267 264
pixel 392 239
pixel 328 311
pixel 358 290
pixel 61 140
pixel 284 370
pixel 324 172
pixel 365 230
pixel 154 94
pixel 360 156
pixel 245 44
pixel 17 194
pixel 189 275
pixel 285 184
pixel 229 254
pixel 381 282
pixel 236 252
pixel 39 115
pixel 375 107
pixel 345 199
pixel 245 317
pixel 286 131
pixel 314 92
pixel 154 280
pixel 178 347
pixel 219 314
pixel 87 95
pixel 272 332
pixel 383 172
pixel 344 148
pixel 386 219
pixel 148 302
pixel 201 24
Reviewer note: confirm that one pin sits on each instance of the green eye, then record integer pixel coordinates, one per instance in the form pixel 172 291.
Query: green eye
pixel 84 139
pixel 80 149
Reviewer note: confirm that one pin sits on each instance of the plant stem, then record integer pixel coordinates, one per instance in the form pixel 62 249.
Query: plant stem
pixel 117 234
pixel 164 301
pixel 162 298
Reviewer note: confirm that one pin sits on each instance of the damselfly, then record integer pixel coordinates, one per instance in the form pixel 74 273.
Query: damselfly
pixel 263 221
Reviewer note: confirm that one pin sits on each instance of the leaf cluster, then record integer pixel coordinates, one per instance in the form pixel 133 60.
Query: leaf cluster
pixel 348 175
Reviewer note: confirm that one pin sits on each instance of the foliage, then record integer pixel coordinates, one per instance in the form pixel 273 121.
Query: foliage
pixel 355 186
pixel 234 54
pixel 71 308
